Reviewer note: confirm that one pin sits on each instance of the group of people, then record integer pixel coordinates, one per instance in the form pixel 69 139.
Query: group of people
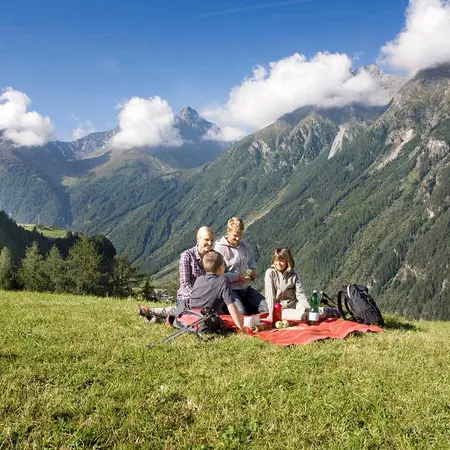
pixel 218 275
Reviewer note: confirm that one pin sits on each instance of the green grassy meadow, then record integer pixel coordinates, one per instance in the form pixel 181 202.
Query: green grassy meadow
pixel 75 373
pixel 45 230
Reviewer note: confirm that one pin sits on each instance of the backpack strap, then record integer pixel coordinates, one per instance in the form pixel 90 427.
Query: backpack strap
pixel 348 305
pixel 346 298
pixel 327 301
pixel 343 297
pixel 339 304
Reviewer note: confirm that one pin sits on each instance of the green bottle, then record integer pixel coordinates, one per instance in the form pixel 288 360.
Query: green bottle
pixel 313 314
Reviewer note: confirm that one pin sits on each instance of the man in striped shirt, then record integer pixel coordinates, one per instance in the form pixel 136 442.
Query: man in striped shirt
pixel 190 269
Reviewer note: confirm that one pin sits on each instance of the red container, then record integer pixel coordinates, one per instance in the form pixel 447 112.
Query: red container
pixel 276 314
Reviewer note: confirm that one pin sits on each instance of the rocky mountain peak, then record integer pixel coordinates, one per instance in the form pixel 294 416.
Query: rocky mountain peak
pixel 188 114
pixel 388 82
pixel 93 144
pixel 374 70
pixel 191 126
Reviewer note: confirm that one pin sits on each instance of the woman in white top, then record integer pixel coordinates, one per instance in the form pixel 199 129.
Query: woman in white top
pixel 283 283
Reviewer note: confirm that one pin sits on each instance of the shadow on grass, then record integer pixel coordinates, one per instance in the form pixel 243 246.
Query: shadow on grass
pixel 8 356
pixel 397 323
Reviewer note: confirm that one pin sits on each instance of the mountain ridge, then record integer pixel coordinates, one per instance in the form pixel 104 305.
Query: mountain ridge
pixel 360 193
pixel 56 168
pixel 347 218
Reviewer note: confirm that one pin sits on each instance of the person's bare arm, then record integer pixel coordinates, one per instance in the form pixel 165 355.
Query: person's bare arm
pixel 234 312
pixel 227 297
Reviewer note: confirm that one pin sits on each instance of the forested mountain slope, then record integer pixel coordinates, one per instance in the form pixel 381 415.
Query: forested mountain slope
pixel 247 180
pixel 377 212
pixel 360 193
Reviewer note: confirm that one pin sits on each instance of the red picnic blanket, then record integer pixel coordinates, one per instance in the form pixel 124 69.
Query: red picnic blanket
pixel 299 332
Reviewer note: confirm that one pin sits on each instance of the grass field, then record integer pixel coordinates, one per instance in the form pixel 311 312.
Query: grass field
pixel 46 230
pixel 75 373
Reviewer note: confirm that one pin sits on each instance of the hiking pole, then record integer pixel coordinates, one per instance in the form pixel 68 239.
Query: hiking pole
pixel 177 333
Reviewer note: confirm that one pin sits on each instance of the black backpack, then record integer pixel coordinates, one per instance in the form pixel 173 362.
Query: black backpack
pixel 359 304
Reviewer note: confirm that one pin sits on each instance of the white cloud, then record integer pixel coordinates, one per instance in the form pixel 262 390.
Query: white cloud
pixel 225 134
pixel 425 40
pixel 83 129
pixel 22 127
pixel 146 122
pixel 292 82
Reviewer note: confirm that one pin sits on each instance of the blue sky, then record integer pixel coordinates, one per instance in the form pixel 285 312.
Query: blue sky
pixel 78 60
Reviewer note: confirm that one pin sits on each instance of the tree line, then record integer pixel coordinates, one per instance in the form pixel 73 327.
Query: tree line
pixel 90 267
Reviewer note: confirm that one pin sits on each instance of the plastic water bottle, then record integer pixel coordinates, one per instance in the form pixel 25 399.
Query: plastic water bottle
pixel 276 314
pixel 313 314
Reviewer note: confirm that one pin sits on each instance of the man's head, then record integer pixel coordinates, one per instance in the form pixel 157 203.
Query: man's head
pixel 205 240
pixel 235 229
pixel 213 263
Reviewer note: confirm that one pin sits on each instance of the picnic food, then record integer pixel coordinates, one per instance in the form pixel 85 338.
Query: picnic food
pixel 248 274
pixel 285 323
pixel 279 324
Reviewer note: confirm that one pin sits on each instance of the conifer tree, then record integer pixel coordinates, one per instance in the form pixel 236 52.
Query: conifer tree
pixel 6 269
pixel 125 276
pixel 31 274
pixel 148 292
pixel 107 252
pixel 84 267
pixel 55 271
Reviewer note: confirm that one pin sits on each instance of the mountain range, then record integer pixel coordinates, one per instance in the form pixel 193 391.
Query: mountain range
pixel 37 184
pixel 360 193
